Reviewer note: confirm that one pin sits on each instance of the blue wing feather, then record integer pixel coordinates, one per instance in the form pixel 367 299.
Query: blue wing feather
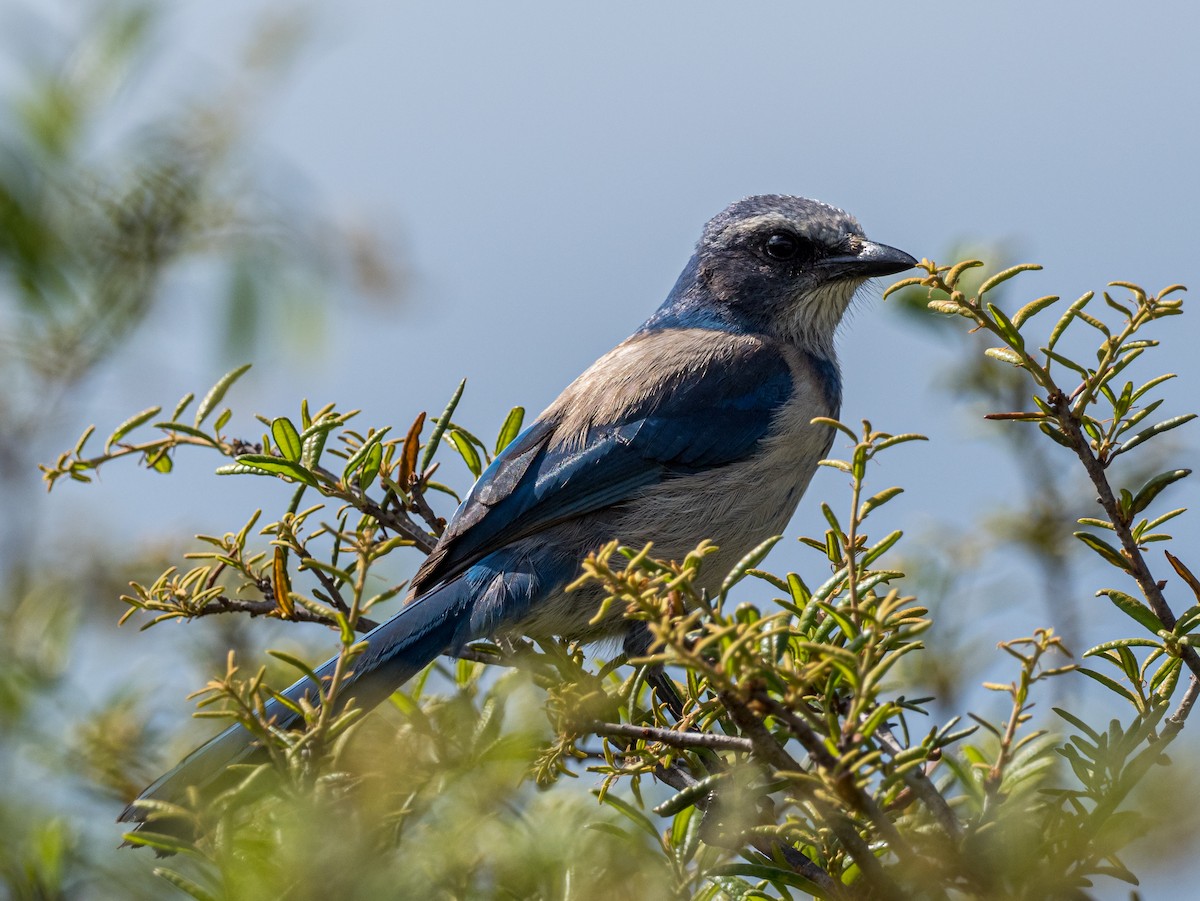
pixel 696 421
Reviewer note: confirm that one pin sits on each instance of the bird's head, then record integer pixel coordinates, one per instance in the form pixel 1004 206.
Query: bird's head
pixel 784 266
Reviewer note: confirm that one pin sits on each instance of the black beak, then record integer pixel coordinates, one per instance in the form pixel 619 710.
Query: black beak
pixel 869 261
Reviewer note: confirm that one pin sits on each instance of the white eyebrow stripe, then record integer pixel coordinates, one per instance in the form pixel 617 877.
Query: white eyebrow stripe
pixel 757 223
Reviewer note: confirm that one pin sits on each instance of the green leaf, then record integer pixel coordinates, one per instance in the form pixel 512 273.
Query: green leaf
pixel 831 518
pixel 1101 649
pixel 313 439
pixel 634 815
pixel 1001 277
pixel 901 285
pixel 877 500
pixel 956 271
pixel 1065 319
pixel 1146 434
pixel 893 440
pixel 835 464
pixel 360 456
pixel 1104 549
pixel 1095 323
pixel 1005 355
pixel 217 392
pixel 298 664
pixel 1111 684
pixel 511 428
pixel 287 439
pixel 1167 673
pixel 799 591
pixel 1187 620
pixel 688 796
pixel 1153 383
pixel 160 460
pixel 184 884
pixel 880 548
pixel 1138 415
pixel 470 436
pixel 467 451
pixel 1148 492
pixel 749 561
pixel 1065 361
pixel 185 429
pixel 371 466
pixel 1133 608
pixel 775 875
pixel 182 405
pixel 1032 308
pixel 264 464
pixel 439 427
pixel 1007 330
pixel 1055 434
pixel 1077 723
pixel 127 426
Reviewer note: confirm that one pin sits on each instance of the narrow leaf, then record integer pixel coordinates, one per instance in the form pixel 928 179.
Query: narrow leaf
pixel 749 561
pixel 467 451
pixel 1032 308
pixel 1109 683
pixel 217 392
pixel 1104 549
pixel 1133 608
pixel 1005 354
pixel 360 456
pixel 1001 277
pixel 1007 330
pixel 1055 434
pixel 955 272
pixel 1148 492
pixel 877 500
pixel 899 439
pixel 126 427
pixel 900 285
pixel 1146 434
pixel 371 466
pixel 269 465
pixel 287 439
pixel 440 426
pixel 299 664
pixel 947 307
pixel 182 405
pixel 1153 383
pixel 511 428
pixel 1065 319
pixel 313 439
pixel 183 883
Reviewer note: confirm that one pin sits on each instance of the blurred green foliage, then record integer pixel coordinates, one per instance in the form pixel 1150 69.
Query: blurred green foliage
pixel 105 198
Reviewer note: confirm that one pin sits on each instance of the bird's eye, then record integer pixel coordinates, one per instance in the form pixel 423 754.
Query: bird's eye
pixel 782 246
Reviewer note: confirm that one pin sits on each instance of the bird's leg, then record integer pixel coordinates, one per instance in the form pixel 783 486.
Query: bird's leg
pixel 637 644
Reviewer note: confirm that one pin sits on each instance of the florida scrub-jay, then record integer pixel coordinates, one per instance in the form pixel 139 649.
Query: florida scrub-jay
pixel 697 426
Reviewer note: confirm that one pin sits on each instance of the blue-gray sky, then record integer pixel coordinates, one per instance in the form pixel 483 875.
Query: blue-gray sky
pixel 546 167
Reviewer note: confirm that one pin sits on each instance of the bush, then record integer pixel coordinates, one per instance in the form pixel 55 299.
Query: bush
pixel 801 762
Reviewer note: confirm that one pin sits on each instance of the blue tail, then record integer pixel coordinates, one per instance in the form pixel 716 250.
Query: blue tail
pixel 397 650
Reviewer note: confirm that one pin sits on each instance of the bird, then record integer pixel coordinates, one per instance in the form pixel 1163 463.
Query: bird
pixel 700 425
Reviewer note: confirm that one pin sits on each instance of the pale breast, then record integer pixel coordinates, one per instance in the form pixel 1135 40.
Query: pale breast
pixel 742 504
